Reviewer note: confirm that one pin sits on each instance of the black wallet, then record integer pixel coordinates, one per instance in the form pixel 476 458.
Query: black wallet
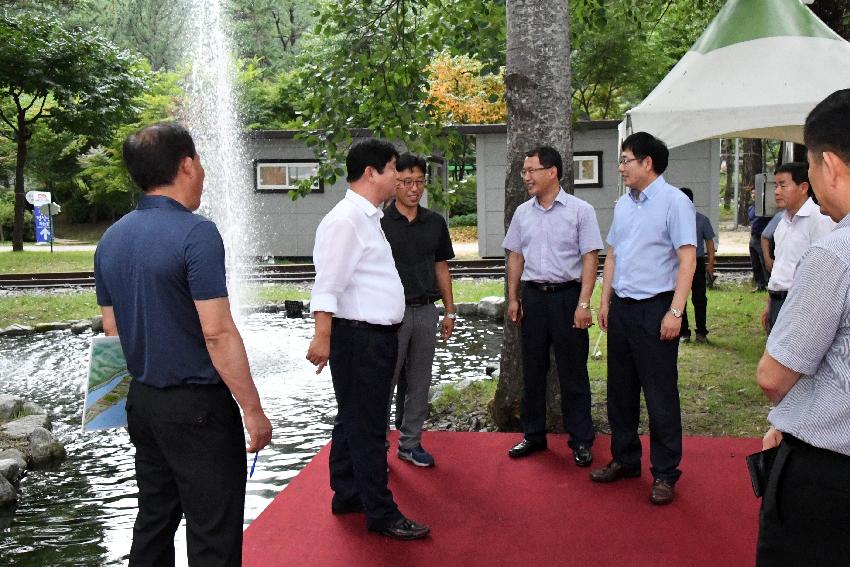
pixel 759 465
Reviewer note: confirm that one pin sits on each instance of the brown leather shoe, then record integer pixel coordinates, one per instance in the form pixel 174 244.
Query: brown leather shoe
pixel 614 471
pixel 662 492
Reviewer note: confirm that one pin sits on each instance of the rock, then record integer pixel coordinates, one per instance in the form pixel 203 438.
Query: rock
pixel 80 327
pixel 11 470
pixel 465 309
pixel 54 326
pixel 490 369
pixel 44 448
pixel 10 406
pixel 14 455
pixel 8 494
pixel 492 308
pixel 97 323
pixel 22 427
pixel 17 330
pixel 31 408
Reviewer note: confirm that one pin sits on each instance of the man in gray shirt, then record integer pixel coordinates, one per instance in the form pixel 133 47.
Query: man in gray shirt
pixel 805 371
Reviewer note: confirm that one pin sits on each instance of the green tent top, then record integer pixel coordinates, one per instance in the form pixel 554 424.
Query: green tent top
pixel 745 20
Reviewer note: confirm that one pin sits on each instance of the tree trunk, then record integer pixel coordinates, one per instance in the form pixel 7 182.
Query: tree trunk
pixel 727 156
pixel 537 81
pixel 753 163
pixel 20 199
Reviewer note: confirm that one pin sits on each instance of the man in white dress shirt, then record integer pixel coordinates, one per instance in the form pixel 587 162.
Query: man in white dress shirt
pixel 358 304
pixel 801 224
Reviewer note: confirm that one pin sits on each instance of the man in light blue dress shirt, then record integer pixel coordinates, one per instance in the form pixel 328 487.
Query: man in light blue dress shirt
pixel 649 269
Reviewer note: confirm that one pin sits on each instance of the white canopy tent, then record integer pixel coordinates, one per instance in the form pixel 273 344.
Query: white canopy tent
pixel 756 72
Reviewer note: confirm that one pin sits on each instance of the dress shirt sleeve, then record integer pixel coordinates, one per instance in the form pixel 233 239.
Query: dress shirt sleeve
pixel 337 252
pixel 707 230
pixel 812 314
pixel 589 236
pixel 445 250
pixel 104 298
pixel 612 238
pixel 682 222
pixel 513 239
pixel 204 256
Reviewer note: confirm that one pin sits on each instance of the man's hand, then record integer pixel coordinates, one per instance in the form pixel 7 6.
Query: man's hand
pixel 710 268
pixel 670 327
pixel 319 351
pixel 583 318
pixel 446 328
pixel 602 316
pixel 515 312
pixel 771 439
pixel 765 318
pixel 259 430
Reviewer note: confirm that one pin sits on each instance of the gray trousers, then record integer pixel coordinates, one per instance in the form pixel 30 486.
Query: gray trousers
pixel 417 340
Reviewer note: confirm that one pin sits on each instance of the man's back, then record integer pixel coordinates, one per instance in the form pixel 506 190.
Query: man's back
pixel 150 267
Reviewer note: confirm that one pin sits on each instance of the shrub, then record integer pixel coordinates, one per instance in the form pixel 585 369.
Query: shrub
pixel 464 220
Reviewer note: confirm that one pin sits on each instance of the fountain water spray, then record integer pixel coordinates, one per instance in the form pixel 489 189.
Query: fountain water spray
pixel 217 130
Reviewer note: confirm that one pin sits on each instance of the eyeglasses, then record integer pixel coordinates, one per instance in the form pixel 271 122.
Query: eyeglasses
pixel 624 161
pixel 408 183
pixel 530 170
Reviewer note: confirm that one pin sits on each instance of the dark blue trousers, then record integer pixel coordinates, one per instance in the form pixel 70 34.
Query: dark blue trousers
pixel 362 362
pixel 639 359
pixel 548 321
pixel 190 460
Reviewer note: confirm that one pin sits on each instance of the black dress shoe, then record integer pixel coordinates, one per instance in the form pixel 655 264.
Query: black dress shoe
pixel 406 530
pixel 582 456
pixel 614 471
pixel 339 506
pixel 525 448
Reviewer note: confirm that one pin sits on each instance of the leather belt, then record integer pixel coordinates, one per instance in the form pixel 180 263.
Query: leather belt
pixel 777 294
pixel 417 301
pixel 364 325
pixel 552 286
pixel 633 300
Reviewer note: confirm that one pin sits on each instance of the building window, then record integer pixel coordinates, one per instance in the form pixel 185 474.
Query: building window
pixel 282 175
pixel 587 169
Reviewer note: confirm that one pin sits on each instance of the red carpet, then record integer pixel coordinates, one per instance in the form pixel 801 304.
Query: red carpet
pixel 486 509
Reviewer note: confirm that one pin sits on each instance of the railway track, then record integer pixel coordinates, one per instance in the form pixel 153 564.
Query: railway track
pixel 291 273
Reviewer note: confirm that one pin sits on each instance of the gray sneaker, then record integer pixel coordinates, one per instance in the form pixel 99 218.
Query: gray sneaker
pixel 418 456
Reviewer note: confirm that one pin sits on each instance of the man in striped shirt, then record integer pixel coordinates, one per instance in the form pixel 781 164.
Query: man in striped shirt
pixel 805 371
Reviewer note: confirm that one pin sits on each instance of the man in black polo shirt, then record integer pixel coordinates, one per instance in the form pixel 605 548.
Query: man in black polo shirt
pixel 160 279
pixel 421 247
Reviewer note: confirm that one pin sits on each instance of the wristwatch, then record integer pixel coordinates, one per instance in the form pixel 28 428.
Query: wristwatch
pixel 584 305
pixel 451 316
pixel 677 313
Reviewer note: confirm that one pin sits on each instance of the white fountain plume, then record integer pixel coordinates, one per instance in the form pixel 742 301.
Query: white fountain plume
pixel 217 130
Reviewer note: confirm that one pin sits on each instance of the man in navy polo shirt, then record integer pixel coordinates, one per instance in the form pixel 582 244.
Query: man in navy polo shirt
pixel 160 280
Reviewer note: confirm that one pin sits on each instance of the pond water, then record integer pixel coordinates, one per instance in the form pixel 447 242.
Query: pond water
pixel 83 513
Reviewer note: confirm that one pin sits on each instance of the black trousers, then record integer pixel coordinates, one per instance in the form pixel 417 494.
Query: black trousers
pixel 774 306
pixel 698 300
pixel 805 512
pixel 639 359
pixel 760 275
pixel 548 320
pixel 362 362
pixel 190 460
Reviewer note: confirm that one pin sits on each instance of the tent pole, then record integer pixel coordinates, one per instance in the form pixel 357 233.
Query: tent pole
pixel 735 180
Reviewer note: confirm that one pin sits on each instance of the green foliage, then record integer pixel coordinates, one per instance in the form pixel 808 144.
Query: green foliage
pixel 470 219
pixel 271 32
pixel 7 217
pixel 465 192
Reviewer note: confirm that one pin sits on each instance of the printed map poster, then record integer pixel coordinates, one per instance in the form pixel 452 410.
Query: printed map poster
pixel 107 386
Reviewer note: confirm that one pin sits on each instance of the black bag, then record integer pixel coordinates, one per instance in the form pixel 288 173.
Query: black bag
pixel 759 464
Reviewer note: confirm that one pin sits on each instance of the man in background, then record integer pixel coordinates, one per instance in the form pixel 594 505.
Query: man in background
pixel 160 280
pixel 704 270
pixel 757 224
pixel 421 248
pixel 800 226
pixel 805 372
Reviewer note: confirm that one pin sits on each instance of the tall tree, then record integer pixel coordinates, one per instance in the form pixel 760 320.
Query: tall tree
pixel 537 82
pixel 752 163
pixel 71 79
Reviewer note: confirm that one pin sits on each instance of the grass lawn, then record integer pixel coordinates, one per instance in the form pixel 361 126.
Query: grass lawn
pixel 36 262
pixel 32 309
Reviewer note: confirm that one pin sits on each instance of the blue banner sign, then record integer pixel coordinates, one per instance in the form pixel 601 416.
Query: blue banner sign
pixel 42 227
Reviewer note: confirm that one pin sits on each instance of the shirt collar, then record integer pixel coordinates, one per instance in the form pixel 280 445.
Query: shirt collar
pixel 561 198
pixel 363 204
pixel 809 208
pixel 650 191
pixel 844 223
pixel 392 212
pixel 159 202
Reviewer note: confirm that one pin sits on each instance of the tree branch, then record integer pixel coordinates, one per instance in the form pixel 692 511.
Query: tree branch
pixel 40 110
pixel 12 126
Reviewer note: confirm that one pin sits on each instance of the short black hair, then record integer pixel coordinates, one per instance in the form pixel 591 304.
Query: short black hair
pixel 643 144
pixel 799 171
pixel 153 154
pixel 411 161
pixel 827 127
pixel 549 157
pixel 687 191
pixel 361 155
